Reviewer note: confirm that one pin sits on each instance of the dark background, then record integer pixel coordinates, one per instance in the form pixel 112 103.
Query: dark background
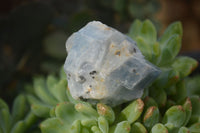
pixel 33 32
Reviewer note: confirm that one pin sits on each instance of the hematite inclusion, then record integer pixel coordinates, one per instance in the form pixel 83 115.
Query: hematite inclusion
pixel 104 65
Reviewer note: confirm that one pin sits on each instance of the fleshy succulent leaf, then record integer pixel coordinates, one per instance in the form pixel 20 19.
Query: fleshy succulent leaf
pixel 148 31
pixel 156 52
pixel 87 110
pixel 159 128
pixel 76 127
pixel 59 91
pixel 33 100
pixel 106 111
pixel 187 106
pixel 103 124
pixel 144 47
pixel 42 92
pixel 151 117
pixel 123 127
pixel 137 127
pixel 184 65
pixel 30 119
pixel 195 128
pixel 19 108
pixel 66 112
pixel 52 125
pixel 183 130
pixel 175 115
pixel 19 127
pixel 5 121
pixel 40 110
pixel 144 29
pixel 89 122
pixel 170 51
pixel 174 28
pixel 51 81
pixel 52 112
pixel 133 111
pixel 135 29
pixel 95 129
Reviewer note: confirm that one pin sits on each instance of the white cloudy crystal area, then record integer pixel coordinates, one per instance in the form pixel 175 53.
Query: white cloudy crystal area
pixel 104 65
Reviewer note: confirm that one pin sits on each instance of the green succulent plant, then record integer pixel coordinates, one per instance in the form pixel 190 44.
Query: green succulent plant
pixel 170 105
pixel 19 120
pixel 163 53
pixel 134 118
pixel 47 93
pixel 165 106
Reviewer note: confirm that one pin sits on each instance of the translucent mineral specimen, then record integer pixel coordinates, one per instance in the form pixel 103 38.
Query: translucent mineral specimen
pixel 104 65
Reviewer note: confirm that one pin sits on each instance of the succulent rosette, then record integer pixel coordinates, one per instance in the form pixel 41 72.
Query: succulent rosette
pixel 19 119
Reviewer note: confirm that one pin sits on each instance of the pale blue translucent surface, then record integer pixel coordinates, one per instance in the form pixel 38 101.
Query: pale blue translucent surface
pixel 104 65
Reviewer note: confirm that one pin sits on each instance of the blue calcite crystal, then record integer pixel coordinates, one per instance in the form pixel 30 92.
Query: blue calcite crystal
pixel 104 65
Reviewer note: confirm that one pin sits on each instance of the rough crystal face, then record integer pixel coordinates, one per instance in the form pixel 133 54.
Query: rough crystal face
pixel 104 65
